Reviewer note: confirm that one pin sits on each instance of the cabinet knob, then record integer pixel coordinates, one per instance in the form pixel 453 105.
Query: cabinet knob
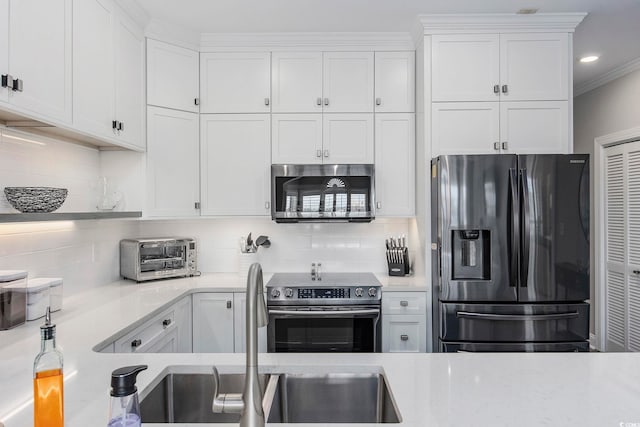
pixel 120 126
pixel 636 271
pixel 17 85
pixel 496 146
pixel 319 101
pixel 404 337
pixel 196 205
pixel 318 153
pixel 326 153
pixel 404 303
pixel 326 101
pixel 228 304
pixel 505 89
pixel 267 205
pixel 378 205
pixel 378 101
pixel 505 145
pixel 7 81
pixel 266 102
pixel 166 322
pixel 114 124
pixel 196 101
pixel 136 343
pixel 496 88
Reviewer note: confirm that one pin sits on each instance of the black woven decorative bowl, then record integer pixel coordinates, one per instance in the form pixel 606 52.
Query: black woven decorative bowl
pixel 35 199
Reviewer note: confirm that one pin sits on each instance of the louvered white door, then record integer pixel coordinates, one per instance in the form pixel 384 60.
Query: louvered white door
pixel 622 241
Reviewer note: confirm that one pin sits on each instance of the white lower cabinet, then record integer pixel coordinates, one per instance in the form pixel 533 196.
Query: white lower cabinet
pixel 213 323
pixel 404 322
pixel 239 325
pixel 167 332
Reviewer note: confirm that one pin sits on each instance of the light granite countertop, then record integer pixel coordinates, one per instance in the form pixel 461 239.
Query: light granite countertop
pixel 516 389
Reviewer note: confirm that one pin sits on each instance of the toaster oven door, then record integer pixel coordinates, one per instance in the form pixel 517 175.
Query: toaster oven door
pixel 163 258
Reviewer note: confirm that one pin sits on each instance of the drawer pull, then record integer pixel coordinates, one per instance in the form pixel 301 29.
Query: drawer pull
pixel 404 303
pixel 228 304
pixel 136 343
pixel 404 337
pixel 166 322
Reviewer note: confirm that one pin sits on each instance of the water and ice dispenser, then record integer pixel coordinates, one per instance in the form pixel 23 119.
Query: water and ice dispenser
pixel 471 254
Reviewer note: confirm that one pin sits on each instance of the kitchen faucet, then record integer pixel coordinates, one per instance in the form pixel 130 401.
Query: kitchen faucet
pixel 249 403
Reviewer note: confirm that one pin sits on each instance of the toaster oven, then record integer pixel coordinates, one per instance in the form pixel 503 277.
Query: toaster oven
pixel 149 259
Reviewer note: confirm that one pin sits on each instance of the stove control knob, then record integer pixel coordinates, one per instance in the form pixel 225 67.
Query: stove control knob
pixel 275 293
pixel 288 292
pixel 373 292
pixel 359 292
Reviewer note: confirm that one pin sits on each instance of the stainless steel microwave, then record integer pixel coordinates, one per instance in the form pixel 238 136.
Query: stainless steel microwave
pixel 322 193
pixel 149 259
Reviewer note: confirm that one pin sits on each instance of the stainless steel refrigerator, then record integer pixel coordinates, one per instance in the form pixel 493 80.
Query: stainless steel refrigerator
pixel 510 251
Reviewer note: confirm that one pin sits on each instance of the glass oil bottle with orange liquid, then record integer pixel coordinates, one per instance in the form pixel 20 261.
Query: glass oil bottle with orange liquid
pixel 48 396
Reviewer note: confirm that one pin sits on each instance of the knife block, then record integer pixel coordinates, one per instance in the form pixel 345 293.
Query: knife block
pixel 399 268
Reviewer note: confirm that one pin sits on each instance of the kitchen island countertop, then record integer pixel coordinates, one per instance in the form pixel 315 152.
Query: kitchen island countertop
pixel 567 389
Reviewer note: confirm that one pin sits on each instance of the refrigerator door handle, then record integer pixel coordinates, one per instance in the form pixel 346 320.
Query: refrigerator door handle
pixel 513 229
pixel 525 228
pixel 519 317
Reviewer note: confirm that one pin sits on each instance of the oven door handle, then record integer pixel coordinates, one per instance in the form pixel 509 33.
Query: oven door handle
pixel 324 312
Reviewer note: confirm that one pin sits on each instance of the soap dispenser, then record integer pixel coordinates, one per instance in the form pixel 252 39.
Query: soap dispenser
pixel 125 409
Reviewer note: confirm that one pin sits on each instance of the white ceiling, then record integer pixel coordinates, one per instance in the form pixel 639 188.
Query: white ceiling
pixel 611 30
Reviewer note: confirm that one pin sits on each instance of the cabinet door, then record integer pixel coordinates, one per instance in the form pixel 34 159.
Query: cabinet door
pixel 296 138
pixel 395 150
pixel 4 46
pixel 129 57
pixel 395 82
pixel 465 67
pixel 184 329
pixel 172 76
pixel 534 67
pixel 465 127
pixel 233 82
pixel 296 82
pixel 404 334
pixel 536 127
pixel 93 55
pixel 240 325
pixel 173 168
pixel 235 164
pixel 40 55
pixel 213 323
pixel 347 138
pixel 348 82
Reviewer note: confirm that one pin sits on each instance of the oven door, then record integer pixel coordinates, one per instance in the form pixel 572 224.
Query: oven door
pixel 346 329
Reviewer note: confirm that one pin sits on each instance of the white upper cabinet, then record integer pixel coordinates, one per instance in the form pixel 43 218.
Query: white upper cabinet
pixel 4 47
pixel 534 67
pixel 173 168
pixel 296 138
pixel 129 60
pixel 108 74
pixel 39 57
pixel 172 76
pixel 465 127
pixel 235 82
pixel 465 67
pixel 348 82
pixel 296 82
pixel 534 127
pixel 395 164
pixel 506 67
pixel 235 163
pixel 347 138
pixel 395 82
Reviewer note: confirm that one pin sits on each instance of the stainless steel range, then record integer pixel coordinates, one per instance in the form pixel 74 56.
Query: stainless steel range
pixel 332 312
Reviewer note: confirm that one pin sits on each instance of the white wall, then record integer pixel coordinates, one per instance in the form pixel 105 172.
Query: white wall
pixel 607 109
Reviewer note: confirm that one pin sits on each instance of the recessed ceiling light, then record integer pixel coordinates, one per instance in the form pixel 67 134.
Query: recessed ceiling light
pixel 530 11
pixel 590 58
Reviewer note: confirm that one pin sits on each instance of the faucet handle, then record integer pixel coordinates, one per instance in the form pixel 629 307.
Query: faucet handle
pixel 225 403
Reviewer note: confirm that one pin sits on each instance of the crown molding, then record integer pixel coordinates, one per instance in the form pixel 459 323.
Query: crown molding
pixel 173 34
pixel 500 22
pixel 134 11
pixel 607 77
pixel 306 41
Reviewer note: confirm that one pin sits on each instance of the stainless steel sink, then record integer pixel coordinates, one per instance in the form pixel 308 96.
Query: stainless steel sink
pixel 187 398
pixel 331 398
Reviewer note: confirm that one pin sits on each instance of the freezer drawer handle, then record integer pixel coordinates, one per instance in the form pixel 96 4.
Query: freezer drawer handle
pixel 485 316
pixel 404 337
pixel 324 313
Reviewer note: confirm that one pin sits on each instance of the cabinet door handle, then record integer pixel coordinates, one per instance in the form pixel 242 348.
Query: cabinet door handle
pixel 136 343
pixel 404 303
pixel 120 126
pixel 196 101
pixel 7 81
pixel 636 272
pixel 318 153
pixel 505 89
pixel 166 323
pixel 196 205
pixel 266 102
pixel 319 101
pixel 378 101
pixel 496 88
pixel 326 101
pixel 17 85
pixel 496 146
pixel 505 145
pixel 114 124
pixel 326 153
pixel 379 205
pixel 228 304
pixel 404 337
pixel 267 205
